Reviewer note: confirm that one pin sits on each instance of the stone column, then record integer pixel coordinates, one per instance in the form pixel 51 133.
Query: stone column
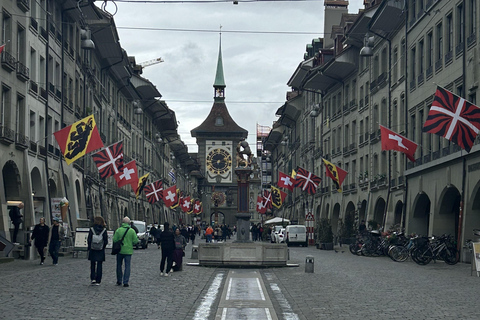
pixel 243 215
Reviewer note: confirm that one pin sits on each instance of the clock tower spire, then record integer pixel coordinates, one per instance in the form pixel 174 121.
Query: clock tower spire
pixel 219 84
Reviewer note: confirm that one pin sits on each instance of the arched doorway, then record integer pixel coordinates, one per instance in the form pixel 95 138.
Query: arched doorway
pixel 379 211
pixel 11 181
pixel 398 215
pixel 326 211
pixel 349 221
pixel 420 220
pixel 445 220
pixel 335 218
pixel 472 219
pixel 362 211
pixel 38 192
pixel 217 217
pixel 52 188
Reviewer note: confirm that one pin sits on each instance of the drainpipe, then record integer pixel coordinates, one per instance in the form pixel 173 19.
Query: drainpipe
pixel 47 50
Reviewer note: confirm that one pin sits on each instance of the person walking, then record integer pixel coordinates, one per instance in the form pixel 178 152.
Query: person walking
pixel 126 252
pixel 167 240
pixel 40 235
pixel 97 240
pixel 179 252
pixel 55 239
pixel 209 234
pixel 16 218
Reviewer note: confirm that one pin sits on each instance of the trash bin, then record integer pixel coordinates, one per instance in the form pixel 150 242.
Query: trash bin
pixel 194 252
pixel 309 264
pixel 29 252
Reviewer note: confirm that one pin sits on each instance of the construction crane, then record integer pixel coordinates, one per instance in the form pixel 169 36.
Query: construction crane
pixel 150 62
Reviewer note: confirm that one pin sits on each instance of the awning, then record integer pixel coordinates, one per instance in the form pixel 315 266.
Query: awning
pixel 300 73
pixel 343 64
pixel 288 114
pixel 388 18
pixel 277 220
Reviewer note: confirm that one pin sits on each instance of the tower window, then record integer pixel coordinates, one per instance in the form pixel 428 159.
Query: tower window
pixel 219 121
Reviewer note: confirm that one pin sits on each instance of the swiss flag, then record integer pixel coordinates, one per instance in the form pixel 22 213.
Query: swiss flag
pixel 260 207
pixel 128 175
pixel 197 207
pixel 394 141
pixel 185 204
pixel 1 48
pixel 285 181
pixel 170 196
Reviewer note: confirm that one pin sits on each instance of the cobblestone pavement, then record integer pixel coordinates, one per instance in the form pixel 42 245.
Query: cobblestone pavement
pixel 342 286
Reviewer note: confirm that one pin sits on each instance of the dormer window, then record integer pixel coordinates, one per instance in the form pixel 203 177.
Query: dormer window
pixel 219 121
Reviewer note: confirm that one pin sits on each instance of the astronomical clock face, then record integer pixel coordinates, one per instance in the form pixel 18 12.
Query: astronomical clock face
pixel 218 161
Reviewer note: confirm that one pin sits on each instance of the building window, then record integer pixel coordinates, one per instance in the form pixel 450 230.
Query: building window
pixel 439 42
pixel 219 121
pixel 429 56
pixel 421 53
pixel 449 33
pixel 403 60
pixel 472 17
pixel 395 65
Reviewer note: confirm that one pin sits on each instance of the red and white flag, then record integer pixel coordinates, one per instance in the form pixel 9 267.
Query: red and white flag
pixel 260 207
pixel 285 181
pixel 453 118
pixel 307 181
pixel 185 204
pixel 109 161
pixel 267 199
pixel 128 175
pixel 2 47
pixel 154 191
pixel 394 141
pixel 197 207
pixel 170 196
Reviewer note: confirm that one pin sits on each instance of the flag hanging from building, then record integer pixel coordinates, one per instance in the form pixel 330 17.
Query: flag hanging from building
pixel 394 141
pixel 453 118
pixel 178 198
pixel 278 196
pixel 109 161
pixel 294 174
pixel 191 208
pixel 154 191
pixel 171 174
pixel 185 204
pixel 141 184
pixel 128 175
pixel 78 139
pixel 285 181
pixel 336 173
pixel 2 47
pixel 198 207
pixel 260 207
pixel 267 199
pixel 307 181
pixel 170 196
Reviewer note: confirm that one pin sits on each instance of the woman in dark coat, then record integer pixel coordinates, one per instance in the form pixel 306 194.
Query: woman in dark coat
pixel 40 235
pixel 97 257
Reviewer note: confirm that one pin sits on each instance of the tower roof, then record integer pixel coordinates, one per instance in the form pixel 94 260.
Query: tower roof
pixel 219 79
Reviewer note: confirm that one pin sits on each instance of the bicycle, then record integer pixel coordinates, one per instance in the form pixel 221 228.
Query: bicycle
pixel 436 248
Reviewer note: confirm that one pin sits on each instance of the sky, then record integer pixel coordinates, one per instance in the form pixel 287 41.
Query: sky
pixel 262 44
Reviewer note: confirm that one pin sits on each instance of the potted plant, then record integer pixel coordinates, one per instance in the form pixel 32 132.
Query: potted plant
pixel 325 234
pixel 347 229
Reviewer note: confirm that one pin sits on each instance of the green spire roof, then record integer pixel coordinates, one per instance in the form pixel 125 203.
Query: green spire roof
pixel 219 79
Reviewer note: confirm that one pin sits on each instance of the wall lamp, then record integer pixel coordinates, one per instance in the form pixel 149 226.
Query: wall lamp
pixel 367 50
pixel 86 37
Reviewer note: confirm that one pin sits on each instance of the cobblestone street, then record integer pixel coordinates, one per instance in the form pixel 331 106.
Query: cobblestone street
pixel 343 286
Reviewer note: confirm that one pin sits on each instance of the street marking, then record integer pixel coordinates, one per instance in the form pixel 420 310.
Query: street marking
pixel 203 311
pixel 246 313
pixel 287 310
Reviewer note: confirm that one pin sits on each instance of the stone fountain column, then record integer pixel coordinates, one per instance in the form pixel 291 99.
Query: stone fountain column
pixel 243 214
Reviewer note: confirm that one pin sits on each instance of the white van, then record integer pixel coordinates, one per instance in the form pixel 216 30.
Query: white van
pixel 296 234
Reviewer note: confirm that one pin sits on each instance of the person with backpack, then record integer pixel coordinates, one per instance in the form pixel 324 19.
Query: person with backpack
pixel 129 240
pixel 97 240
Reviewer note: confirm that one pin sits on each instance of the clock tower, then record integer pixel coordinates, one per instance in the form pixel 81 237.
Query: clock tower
pixel 217 138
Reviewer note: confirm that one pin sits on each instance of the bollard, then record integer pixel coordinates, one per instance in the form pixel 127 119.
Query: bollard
pixel 309 264
pixel 194 252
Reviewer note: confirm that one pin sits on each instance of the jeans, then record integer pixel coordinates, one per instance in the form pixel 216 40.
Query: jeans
pixel 126 274
pixel 209 238
pixel 166 255
pixel 16 227
pixel 53 248
pixel 41 252
pixel 97 276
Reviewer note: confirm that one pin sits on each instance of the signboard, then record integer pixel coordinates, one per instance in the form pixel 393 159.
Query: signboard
pixel 476 257
pixel 81 235
pixel 56 208
pixel 310 224
pixel 110 239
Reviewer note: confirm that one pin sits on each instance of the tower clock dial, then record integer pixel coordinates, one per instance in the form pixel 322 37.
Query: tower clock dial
pixel 219 161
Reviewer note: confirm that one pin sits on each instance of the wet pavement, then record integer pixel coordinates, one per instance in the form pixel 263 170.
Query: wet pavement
pixel 342 286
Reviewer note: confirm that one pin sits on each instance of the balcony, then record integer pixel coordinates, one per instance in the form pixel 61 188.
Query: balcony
pixel 51 149
pixel 21 141
pixel 438 64
pixel 471 39
pixel 373 85
pixel 42 150
pixel 33 24
pixel 346 109
pixel 51 88
pixel 400 181
pixel 353 148
pixel 43 93
pixel 7 135
pixel 361 104
pixel 435 155
pixel 418 162
pixel 8 61
pixel 449 57
pixel 413 85
pixel 429 71
pixel 23 73
pixel 459 48
pixel 420 79
pixel 445 151
pixel 43 33
pixel 24 5
pixel 366 101
pixel 33 146
pixel 33 87
pixel 429 4
pixel 382 78
pixel 58 93
pixel 426 158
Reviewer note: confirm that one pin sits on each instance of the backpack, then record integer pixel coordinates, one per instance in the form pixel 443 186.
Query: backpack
pixel 97 240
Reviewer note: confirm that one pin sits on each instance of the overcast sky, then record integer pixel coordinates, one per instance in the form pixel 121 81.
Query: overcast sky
pixel 257 60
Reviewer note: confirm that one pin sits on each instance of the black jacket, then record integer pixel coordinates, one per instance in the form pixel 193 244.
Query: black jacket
pixel 40 235
pixel 15 215
pixel 97 255
pixel 167 239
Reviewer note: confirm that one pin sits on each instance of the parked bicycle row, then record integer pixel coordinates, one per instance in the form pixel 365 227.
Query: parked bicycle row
pixel 400 247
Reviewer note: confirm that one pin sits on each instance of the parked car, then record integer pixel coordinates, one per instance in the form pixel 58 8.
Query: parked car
pixel 296 234
pixel 142 234
pixel 273 235
pixel 280 236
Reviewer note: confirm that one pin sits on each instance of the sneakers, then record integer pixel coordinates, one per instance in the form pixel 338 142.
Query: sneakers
pixel 161 273
pixel 166 274
pixel 55 264
pixel 41 263
pixel 96 284
pixel 119 283
pixel 93 282
pixel 125 285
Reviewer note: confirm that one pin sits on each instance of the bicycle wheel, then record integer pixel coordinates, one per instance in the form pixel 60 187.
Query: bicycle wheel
pixel 422 256
pixel 398 253
pixel 450 256
pixel 353 248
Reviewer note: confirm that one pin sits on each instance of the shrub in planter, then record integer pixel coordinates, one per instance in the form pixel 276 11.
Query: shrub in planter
pixel 324 232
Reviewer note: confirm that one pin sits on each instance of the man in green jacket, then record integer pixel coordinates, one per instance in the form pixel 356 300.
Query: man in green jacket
pixel 126 252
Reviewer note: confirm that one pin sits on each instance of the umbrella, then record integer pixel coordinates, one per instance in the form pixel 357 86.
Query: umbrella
pixel 277 220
